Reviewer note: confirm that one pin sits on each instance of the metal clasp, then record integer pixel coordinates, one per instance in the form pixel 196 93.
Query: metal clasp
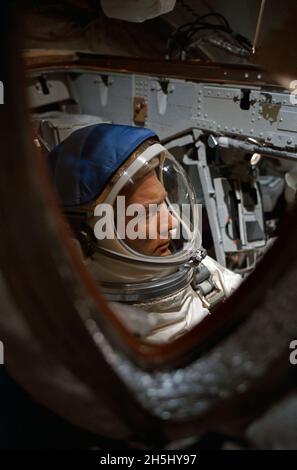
pixel 196 257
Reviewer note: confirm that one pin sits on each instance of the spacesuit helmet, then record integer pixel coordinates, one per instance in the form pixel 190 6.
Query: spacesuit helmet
pixel 143 207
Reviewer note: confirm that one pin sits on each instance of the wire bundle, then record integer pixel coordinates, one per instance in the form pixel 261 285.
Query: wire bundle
pixel 182 38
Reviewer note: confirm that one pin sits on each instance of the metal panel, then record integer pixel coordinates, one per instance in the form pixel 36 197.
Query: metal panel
pixel 55 89
pixel 174 105
pixel 106 95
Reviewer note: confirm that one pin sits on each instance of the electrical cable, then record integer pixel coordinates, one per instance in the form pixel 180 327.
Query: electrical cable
pixel 180 39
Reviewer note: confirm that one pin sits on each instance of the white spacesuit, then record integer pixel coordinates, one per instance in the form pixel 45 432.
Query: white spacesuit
pixel 151 262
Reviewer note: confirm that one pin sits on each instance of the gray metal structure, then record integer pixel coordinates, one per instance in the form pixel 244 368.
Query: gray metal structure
pixel 174 105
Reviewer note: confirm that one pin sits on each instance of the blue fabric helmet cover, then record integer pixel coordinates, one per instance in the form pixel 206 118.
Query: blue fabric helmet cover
pixel 84 162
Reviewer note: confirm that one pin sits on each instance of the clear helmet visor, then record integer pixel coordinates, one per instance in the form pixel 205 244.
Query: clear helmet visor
pixel 154 209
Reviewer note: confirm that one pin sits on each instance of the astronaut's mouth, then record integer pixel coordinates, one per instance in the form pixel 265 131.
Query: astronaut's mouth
pixel 162 249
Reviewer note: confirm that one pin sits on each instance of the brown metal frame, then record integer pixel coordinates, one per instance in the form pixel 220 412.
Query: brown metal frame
pixel 190 70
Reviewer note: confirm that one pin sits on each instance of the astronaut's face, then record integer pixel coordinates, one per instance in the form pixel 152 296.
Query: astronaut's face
pixel 150 193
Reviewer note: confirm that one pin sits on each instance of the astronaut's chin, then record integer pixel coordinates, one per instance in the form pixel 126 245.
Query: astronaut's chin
pixel 166 253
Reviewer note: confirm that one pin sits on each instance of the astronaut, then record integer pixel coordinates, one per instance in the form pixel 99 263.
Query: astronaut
pixel 134 214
